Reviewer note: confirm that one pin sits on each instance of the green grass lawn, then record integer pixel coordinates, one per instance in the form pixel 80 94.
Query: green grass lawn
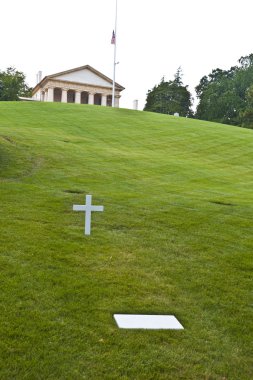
pixel 175 238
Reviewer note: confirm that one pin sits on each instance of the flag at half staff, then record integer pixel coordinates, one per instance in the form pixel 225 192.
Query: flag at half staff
pixel 113 40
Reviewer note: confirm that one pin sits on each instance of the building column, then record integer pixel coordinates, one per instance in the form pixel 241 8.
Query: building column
pixel 64 95
pixel 91 99
pixel 50 94
pixel 45 95
pixel 78 97
pixel 104 100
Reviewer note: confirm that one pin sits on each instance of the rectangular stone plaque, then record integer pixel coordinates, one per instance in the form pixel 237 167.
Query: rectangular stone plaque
pixel 150 322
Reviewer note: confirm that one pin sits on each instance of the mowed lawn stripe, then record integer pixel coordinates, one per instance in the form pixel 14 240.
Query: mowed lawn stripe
pixel 175 238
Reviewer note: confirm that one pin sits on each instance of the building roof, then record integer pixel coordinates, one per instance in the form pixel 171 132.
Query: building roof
pixel 86 67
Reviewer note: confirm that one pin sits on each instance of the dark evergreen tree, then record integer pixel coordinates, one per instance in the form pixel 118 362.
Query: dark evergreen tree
pixel 170 97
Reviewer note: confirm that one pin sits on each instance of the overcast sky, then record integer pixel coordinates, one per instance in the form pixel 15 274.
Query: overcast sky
pixel 154 38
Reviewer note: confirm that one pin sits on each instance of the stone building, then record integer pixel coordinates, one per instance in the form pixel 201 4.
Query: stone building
pixel 83 85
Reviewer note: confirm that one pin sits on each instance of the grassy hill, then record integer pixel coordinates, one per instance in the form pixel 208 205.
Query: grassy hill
pixel 175 238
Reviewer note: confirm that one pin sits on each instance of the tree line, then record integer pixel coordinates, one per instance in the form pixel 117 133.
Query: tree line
pixel 225 96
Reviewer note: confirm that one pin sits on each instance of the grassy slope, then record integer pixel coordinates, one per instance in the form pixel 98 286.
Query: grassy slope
pixel 175 238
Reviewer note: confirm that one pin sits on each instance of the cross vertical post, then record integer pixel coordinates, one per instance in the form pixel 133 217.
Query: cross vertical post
pixel 88 215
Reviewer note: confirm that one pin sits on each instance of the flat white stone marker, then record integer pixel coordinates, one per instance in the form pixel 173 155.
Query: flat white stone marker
pixel 87 209
pixel 150 322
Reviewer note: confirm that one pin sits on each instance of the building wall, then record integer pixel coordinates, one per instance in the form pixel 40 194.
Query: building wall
pixel 46 92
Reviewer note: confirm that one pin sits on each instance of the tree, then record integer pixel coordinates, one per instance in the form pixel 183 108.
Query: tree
pixel 12 85
pixel 170 97
pixel 222 94
pixel 247 115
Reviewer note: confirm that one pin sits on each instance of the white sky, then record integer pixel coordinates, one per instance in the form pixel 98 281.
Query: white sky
pixel 154 38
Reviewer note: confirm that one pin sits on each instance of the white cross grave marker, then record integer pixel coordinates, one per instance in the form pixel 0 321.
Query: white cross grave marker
pixel 87 209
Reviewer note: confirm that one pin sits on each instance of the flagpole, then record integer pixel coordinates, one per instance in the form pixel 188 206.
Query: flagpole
pixel 114 60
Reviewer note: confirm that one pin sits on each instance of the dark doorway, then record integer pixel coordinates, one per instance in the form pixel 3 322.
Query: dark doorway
pixel 98 99
pixel 84 97
pixel 71 96
pixel 57 94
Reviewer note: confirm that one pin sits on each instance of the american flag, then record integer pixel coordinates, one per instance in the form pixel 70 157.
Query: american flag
pixel 113 40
